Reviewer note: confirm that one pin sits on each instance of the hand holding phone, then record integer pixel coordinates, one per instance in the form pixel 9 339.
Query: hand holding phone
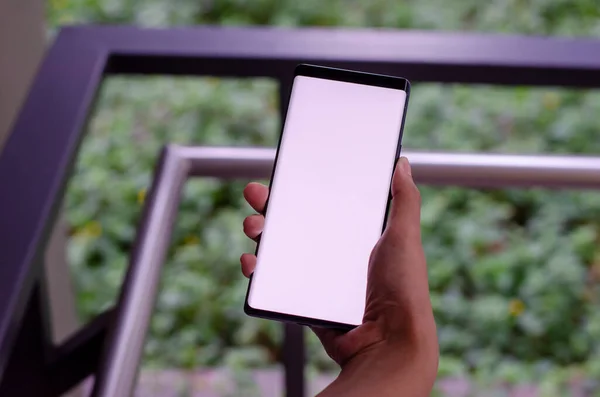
pixel 322 260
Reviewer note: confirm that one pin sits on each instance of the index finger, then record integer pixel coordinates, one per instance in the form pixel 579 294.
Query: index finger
pixel 405 211
pixel 256 195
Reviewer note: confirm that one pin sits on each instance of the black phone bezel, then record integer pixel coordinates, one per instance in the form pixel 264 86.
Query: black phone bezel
pixel 328 73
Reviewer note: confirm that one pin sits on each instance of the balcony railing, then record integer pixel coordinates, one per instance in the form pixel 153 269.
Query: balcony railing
pixel 38 157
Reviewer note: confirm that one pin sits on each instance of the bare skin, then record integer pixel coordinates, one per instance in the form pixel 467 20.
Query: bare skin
pixel 395 351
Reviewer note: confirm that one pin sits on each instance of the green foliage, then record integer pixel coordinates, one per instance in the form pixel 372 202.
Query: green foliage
pixel 514 273
pixel 560 17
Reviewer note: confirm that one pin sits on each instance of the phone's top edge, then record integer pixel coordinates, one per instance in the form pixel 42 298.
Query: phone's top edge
pixel 352 76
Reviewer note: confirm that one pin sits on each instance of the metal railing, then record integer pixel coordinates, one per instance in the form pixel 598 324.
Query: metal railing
pixel 37 159
pixel 124 347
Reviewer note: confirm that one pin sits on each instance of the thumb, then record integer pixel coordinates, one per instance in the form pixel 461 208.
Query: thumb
pixel 405 211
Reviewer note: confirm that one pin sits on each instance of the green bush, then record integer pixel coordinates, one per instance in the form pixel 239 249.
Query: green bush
pixel 514 273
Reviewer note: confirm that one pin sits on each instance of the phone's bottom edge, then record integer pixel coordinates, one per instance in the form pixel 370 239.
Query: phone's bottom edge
pixel 299 320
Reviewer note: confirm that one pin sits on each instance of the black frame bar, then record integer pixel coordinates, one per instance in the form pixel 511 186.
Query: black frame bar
pixel 38 156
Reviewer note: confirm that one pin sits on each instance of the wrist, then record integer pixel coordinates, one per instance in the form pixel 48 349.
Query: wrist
pixel 387 369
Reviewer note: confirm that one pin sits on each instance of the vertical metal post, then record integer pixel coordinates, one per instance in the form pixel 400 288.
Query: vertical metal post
pixel 293 351
pixel 294 358
pixel 124 346
pixel 25 373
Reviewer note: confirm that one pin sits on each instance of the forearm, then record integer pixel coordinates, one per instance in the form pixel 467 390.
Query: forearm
pixel 384 373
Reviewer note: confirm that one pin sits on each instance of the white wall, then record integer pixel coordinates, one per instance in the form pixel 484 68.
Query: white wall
pixel 22 44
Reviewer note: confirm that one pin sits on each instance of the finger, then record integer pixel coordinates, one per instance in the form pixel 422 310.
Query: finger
pixel 256 195
pixel 253 226
pixel 248 262
pixel 342 346
pixel 325 335
pixel 405 212
pixel 328 337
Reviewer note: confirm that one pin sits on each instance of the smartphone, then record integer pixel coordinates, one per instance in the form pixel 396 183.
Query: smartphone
pixel 328 197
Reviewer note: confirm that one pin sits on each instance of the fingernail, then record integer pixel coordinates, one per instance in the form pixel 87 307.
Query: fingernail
pixel 405 165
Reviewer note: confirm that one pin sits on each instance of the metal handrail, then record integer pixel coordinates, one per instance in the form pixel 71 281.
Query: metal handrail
pixel 123 348
pixel 433 168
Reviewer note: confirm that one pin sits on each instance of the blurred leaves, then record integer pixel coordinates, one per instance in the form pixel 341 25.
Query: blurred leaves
pixel 515 274
pixel 561 17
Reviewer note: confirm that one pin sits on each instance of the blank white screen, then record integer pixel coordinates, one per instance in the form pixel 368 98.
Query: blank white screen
pixel 328 199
